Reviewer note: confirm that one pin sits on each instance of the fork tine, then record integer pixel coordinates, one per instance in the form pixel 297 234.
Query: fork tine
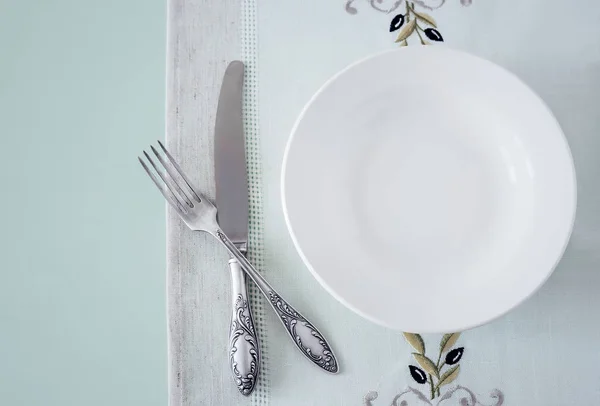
pixel 173 176
pixel 169 183
pixel 199 195
pixel 166 192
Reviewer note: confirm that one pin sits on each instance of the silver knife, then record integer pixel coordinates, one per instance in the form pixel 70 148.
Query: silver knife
pixel 232 205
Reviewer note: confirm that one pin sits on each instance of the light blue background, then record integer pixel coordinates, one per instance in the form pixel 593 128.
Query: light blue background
pixel 82 285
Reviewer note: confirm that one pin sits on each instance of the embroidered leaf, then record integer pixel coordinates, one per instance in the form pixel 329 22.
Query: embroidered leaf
pixel 349 8
pixel 448 340
pixel 426 18
pixel 449 376
pixel 405 32
pixel 417 374
pixel 427 364
pixel 416 341
pixel 397 22
pixel 369 397
pixel 433 34
pixel 404 43
pixel 454 356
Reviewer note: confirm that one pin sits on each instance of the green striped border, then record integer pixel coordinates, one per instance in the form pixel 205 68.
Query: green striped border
pixel 255 220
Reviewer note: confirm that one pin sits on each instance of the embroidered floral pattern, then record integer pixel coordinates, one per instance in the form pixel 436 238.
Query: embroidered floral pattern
pixel 412 23
pixel 386 6
pixel 457 396
pixel 433 372
pixel 376 4
pixel 436 375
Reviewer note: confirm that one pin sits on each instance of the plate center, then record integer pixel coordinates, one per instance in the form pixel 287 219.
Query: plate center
pixel 439 197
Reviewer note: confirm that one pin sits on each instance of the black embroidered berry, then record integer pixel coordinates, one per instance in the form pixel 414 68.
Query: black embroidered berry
pixel 433 34
pixel 397 22
pixel 454 356
pixel 418 374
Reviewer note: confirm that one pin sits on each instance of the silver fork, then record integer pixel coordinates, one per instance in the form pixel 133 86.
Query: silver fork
pixel 201 215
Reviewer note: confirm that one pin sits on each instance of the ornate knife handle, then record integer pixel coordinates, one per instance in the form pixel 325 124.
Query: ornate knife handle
pixel 244 352
pixel 303 333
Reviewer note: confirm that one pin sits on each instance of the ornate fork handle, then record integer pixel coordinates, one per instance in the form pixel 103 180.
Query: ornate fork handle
pixel 244 352
pixel 303 333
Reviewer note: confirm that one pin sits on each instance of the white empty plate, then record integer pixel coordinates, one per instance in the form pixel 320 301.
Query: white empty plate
pixel 428 190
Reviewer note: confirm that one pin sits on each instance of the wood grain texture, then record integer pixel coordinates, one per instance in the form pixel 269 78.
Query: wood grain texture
pixel 203 36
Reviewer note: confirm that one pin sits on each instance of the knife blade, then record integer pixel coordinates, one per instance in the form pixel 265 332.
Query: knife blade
pixel 232 204
pixel 230 158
